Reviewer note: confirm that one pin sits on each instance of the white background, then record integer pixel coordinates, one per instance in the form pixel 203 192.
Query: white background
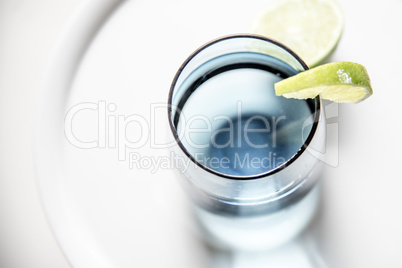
pixel 28 30
pixel 360 219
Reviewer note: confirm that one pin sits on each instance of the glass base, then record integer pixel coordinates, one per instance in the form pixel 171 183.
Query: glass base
pixel 258 232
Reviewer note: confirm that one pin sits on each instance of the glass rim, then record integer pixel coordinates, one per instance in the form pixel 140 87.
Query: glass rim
pixel 316 113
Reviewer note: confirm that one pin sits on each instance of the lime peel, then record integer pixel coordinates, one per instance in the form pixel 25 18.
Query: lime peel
pixel 338 81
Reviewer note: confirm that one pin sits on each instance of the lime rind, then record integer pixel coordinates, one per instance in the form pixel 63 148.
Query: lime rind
pixel 339 82
pixel 338 93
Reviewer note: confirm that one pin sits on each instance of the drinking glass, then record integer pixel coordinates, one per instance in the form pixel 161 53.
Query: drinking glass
pixel 246 155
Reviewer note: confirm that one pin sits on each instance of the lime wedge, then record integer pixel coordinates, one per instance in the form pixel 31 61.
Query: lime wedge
pixel 338 81
pixel 312 28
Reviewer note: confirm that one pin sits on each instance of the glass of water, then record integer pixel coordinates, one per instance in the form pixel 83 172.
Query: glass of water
pixel 246 155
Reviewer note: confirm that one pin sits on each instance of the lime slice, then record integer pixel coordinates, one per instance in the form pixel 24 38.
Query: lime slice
pixel 312 28
pixel 338 81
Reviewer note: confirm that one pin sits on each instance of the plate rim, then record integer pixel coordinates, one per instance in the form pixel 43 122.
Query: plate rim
pixel 64 59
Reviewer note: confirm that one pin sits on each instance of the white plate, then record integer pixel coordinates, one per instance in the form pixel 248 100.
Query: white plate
pixel 112 63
